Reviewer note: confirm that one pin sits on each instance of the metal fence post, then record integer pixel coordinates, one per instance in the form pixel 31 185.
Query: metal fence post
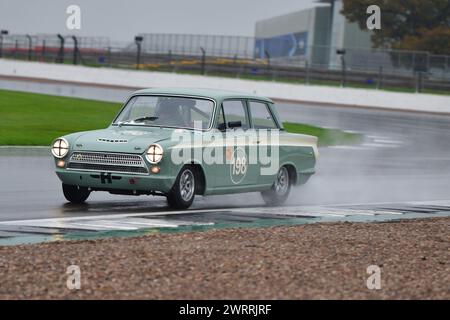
pixel 235 66
pixel 16 47
pixel 60 57
pixel 341 52
pixel 418 82
pixel 2 33
pixel 43 51
pixel 203 60
pixel 343 72
pixel 446 64
pixel 380 77
pixel 30 43
pixel 169 58
pixel 307 72
pixel 268 61
pixel 109 57
pixel 75 50
pixel 138 41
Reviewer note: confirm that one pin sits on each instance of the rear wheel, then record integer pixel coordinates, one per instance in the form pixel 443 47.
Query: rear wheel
pixel 280 190
pixel 75 194
pixel 182 193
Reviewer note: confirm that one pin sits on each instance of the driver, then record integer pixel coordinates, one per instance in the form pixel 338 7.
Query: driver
pixel 169 113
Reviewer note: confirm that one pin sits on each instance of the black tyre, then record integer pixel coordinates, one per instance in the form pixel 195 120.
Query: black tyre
pixel 75 194
pixel 280 190
pixel 182 193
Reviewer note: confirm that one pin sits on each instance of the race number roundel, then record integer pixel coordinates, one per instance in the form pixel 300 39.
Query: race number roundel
pixel 239 164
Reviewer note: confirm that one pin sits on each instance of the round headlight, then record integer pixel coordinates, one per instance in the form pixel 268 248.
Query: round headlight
pixel 60 148
pixel 154 153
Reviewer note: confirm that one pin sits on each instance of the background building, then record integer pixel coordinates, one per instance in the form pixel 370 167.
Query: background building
pixel 310 35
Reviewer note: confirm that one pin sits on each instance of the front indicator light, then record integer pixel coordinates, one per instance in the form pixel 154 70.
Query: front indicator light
pixel 60 163
pixel 155 169
pixel 60 148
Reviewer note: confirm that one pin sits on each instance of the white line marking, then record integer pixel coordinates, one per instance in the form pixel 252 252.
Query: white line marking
pixel 388 141
pixel 102 226
pixel 378 145
pixel 134 222
pixel 110 216
pixel 347 147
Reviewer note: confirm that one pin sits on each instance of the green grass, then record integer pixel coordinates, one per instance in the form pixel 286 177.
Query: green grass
pixel 31 119
pixel 37 119
pixel 327 137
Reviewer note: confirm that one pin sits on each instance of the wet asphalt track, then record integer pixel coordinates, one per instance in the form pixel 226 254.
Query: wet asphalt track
pixel 405 157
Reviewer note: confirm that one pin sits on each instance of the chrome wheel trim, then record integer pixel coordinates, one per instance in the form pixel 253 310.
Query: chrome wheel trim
pixel 282 182
pixel 187 185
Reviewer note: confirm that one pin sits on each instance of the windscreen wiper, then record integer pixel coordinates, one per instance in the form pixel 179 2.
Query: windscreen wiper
pixel 146 119
pixel 121 123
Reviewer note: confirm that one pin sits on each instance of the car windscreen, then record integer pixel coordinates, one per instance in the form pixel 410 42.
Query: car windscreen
pixel 167 111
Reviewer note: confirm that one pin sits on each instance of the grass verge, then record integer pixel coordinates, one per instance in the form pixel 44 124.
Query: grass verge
pixel 37 119
pixel 327 137
pixel 31 119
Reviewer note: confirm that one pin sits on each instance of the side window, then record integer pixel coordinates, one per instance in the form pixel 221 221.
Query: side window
pixel 234 110
pixel 261 116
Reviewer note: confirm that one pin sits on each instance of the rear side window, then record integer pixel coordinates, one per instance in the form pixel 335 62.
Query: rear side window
pixel 234 110
pixel 261 116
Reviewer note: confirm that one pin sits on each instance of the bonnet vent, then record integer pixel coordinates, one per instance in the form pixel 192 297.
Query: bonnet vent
pixel 112 140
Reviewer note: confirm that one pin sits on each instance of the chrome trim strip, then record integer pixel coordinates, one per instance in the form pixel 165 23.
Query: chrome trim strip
pixel 136 161
pixel 121 172
pixel 125 159
pixel 112 140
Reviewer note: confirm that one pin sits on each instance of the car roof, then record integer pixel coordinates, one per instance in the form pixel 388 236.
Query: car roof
pixel 215 94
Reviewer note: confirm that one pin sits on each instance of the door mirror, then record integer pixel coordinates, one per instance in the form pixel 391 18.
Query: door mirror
pixel 222 126
pixel 234 124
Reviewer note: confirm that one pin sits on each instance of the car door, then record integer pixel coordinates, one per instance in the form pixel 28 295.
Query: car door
pixel 234 124
pixel 266 132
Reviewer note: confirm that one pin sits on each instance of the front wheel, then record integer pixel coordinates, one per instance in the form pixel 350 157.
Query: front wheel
pixel 182 193
pixel 279 192
pixel 75 194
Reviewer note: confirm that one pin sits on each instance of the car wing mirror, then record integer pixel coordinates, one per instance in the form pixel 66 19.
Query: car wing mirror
pixel 234 124
pixel 222 126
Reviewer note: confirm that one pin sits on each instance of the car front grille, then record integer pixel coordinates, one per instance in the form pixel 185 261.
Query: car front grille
pixel 110 162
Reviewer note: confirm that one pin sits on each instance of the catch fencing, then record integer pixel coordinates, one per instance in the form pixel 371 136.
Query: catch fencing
pixel 235 56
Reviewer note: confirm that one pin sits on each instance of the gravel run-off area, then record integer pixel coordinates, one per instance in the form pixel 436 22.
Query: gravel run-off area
pixel 314 261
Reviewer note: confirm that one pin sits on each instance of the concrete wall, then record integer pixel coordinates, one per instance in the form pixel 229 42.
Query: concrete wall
pixel 285 24
pixel 313 94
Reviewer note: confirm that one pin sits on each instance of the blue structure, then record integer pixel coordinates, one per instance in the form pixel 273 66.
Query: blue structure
pixel 287 45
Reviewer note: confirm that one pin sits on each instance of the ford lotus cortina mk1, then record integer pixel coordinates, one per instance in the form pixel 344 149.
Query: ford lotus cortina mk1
pixel 179 143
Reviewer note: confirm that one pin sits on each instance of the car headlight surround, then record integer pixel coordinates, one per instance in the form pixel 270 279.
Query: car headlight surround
pixel 154 153
pixel 60 148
